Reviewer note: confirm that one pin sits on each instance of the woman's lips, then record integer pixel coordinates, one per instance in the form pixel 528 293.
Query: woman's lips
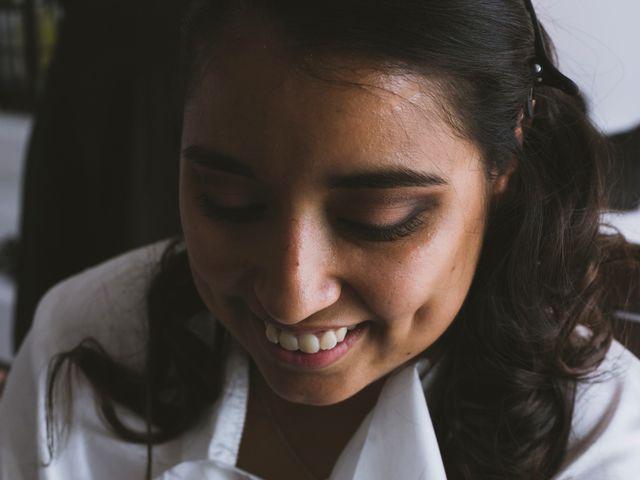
pixel 311 350
pixel 310 341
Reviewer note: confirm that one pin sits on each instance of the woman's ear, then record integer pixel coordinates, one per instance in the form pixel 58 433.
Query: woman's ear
pixel 523 120
pixel 501 182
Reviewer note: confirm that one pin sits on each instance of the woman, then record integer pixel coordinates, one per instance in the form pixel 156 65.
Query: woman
pixel 381 202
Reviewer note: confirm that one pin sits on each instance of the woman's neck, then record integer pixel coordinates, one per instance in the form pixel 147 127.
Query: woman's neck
pixel 311 438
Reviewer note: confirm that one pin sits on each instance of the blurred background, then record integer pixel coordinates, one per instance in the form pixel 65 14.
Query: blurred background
pixel 89 129
pixel 27 38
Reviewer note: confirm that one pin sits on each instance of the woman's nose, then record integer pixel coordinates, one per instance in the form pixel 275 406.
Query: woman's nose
pixel 297 277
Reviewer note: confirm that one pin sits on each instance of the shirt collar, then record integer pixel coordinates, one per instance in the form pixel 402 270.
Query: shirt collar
pixel 396 439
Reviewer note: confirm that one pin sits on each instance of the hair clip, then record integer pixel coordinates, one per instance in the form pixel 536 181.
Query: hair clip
pixel 544 71
pixel 530 106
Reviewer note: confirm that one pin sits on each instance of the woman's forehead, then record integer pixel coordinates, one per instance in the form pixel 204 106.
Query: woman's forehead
pixel 257 103
pixel 254 56
pixel 342 127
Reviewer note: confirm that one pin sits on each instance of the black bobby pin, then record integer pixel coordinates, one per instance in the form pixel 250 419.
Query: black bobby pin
pixel 544 71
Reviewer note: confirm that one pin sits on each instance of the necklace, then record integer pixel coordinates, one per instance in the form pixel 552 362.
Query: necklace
pixel 284 440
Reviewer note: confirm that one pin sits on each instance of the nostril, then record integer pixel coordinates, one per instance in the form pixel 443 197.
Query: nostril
pixel 293 303
pixel 296 277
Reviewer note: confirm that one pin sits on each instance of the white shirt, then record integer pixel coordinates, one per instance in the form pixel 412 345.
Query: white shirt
pixel 396 439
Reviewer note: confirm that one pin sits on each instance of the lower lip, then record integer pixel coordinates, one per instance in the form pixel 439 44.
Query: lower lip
pixel 321 359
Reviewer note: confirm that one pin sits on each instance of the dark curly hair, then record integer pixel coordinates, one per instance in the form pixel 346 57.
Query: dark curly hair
pixel 503 404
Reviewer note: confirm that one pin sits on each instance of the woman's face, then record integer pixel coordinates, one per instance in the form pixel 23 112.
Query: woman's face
pixel 311 207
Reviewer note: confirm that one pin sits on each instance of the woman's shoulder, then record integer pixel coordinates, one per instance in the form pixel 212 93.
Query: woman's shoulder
pixel 106 303
pixel 604 442
pixel 611 392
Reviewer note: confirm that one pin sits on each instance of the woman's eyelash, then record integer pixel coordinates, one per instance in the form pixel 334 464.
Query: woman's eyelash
pixel 229 214
pixel 386 233
pixel 369 232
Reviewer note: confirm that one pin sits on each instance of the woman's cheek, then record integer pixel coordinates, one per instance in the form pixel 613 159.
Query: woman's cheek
pixel 426 285
pixel 394 286
pixel 212 254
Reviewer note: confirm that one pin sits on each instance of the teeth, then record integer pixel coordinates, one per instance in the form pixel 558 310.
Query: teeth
pixel 307 342
pixel 328 340
pixel 272 334
pixel 288 341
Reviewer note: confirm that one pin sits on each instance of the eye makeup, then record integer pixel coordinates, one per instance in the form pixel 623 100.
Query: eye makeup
pixel 386 233
pixel 220 213
pixel 227 197
pixel 384 215
pixel 363 214
pixel 366 231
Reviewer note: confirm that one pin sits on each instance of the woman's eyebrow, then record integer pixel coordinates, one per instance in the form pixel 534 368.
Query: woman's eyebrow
pixel 210 159
pixel 386 178
pixel 391 178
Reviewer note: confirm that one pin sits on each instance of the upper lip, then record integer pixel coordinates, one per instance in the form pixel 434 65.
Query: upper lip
pixel 300 328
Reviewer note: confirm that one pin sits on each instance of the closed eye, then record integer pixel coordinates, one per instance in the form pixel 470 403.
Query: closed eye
pixel 386 233
pixel 235 214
